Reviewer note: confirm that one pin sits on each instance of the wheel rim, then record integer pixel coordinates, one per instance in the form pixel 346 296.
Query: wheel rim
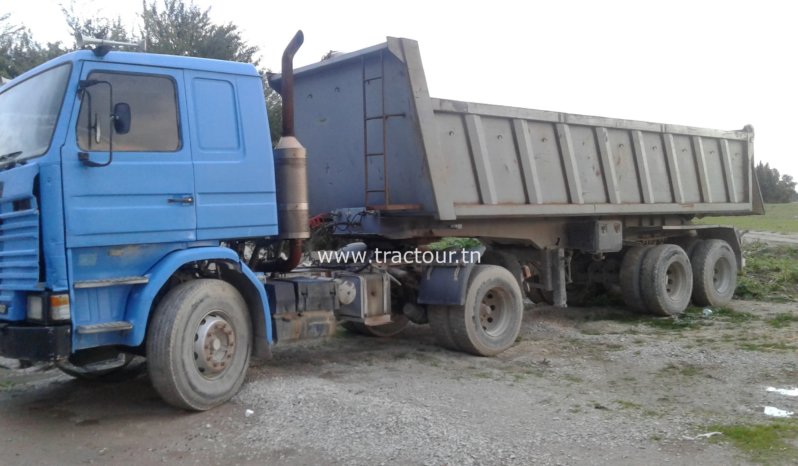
pixel 495 314
pixel 214 345
pixel 722 275
pixel 676 280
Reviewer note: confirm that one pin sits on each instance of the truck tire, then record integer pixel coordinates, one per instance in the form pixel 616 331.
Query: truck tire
pixel 689 244
pixel 666 280
pixel 199 342
pixel 506 260
pixel 714 273
pixel 490 320
pixel 439 323
pixel 388 330
pixel 629 277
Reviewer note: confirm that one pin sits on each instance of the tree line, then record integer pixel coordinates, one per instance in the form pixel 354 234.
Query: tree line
pixel 171 27
pixel 775 188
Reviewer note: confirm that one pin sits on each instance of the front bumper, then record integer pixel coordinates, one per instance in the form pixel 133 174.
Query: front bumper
pixel 35 343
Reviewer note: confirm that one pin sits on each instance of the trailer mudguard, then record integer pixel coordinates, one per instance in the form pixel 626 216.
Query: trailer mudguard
pixel 445 285
pixel 141 299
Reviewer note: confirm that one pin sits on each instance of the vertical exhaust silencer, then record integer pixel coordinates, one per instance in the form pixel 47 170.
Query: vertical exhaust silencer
pixel 290 160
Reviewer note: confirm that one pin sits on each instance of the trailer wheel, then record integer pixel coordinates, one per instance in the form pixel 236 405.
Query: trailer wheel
pixel 388 330
pixel 491 318
pixel 198 344
pixel 689 244
pixel 439 322
pixel 629 277
pixel 714 273
pixel 666 280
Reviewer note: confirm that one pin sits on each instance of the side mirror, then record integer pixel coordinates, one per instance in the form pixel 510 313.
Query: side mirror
pixel 122 118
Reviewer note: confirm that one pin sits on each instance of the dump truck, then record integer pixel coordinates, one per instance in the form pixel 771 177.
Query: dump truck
pixel 144 212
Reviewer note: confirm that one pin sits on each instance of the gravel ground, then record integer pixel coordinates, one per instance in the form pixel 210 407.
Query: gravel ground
pixel 581 386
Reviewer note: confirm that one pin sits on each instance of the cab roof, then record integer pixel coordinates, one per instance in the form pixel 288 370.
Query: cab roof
pixel 147 59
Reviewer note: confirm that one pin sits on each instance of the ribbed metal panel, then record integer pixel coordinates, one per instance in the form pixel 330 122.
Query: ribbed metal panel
pixel 19 246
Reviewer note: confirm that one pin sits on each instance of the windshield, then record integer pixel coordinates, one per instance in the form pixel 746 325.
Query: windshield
pixel 28 113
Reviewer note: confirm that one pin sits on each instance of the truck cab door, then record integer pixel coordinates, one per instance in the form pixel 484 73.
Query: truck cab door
pixel 146 193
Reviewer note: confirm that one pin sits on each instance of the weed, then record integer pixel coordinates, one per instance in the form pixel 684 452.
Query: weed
pixel 771 273
pixel 767 346
pixel 628 404
pixel 573 378
pixel 686 370
pixel 6 385
pixel 730 315
pixel 763 442
pixel 454 243
pixel 782 320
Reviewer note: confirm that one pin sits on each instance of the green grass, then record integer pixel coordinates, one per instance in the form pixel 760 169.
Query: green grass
pixel 782 320
pixel 730 315
pixel 694 317
pixel 764 443
pixel 628 404
pixel 686 370
pixel 770 274
pixel 454 243
pixel 768 347
pixel 779 218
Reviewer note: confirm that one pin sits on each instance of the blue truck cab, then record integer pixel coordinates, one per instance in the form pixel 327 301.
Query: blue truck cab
pixel 123 177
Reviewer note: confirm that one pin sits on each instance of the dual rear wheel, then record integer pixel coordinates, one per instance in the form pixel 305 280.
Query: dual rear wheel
pixel 663 279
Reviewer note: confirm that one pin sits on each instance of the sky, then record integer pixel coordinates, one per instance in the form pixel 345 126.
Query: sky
pixel 714 64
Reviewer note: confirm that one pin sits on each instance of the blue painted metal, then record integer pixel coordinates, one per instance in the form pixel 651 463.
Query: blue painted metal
pixel 233 160
pixel 445 285
pixel 140 301
pixel 19 240
pixel 116 221
pixel 127 202
pixel 107 304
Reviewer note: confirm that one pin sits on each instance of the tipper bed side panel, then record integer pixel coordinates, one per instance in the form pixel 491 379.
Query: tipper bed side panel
pixel 376 138
pixel 519 162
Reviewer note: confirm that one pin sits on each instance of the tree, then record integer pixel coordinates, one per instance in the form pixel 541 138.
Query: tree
pixel 177 28
pixel 174 27
pixel 775 188
pixel 19 52
pixel 184 29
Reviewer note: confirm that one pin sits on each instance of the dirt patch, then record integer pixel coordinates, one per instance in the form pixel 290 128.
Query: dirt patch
pixel 581 386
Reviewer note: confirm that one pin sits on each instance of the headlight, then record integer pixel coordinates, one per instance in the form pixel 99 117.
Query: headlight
pixel 35 307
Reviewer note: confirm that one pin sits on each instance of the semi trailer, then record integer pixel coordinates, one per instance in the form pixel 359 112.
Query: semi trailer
pixel 144 212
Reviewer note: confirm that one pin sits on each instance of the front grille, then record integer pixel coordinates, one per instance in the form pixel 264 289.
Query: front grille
pixel 19 247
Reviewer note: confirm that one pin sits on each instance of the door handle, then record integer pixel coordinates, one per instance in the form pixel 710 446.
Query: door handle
pixel 181 200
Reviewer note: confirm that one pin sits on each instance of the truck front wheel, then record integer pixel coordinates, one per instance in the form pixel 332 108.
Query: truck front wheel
pixel 198 344
pixel 491 318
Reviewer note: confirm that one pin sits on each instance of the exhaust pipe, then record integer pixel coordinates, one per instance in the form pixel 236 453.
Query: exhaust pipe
pixel 288 83
pixel 291 171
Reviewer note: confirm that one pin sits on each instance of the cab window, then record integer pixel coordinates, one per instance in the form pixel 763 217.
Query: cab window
pixel 152 101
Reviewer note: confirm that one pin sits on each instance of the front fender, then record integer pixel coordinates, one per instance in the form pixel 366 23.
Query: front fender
pixel 141 299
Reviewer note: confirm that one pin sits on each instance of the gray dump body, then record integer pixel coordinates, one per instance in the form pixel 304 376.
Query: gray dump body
pixel 375 137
